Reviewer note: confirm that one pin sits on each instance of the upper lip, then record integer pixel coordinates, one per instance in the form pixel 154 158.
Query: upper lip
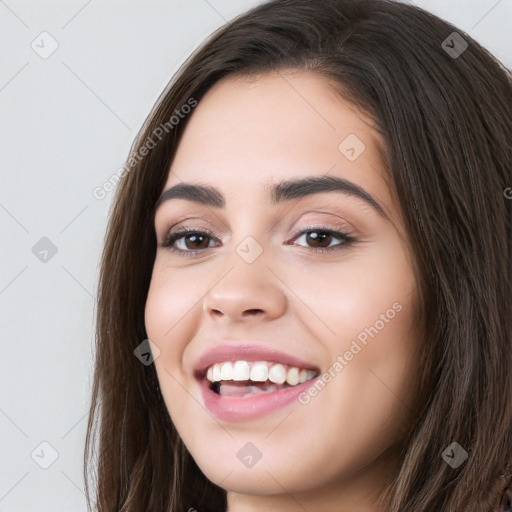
pixel 246 352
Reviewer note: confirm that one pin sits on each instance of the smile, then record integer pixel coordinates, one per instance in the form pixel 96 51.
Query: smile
pixel 247 378
pixel 246 381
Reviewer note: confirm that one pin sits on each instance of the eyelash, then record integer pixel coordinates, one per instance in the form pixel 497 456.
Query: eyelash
pixel 171 238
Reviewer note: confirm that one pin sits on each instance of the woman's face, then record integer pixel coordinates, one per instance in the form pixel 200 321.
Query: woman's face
pixel 276 282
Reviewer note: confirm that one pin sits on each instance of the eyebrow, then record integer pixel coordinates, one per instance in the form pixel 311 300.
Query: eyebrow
pixel 281 192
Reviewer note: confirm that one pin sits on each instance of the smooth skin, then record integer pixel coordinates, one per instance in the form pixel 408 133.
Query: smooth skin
pixel 336 452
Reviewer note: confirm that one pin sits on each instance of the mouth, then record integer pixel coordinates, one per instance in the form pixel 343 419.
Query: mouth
pixel 240 389
pixel 242 379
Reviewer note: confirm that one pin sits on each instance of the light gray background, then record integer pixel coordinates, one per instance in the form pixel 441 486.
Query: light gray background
pixel 67 123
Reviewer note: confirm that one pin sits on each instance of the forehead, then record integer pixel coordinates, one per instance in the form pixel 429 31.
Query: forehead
pixel 249 132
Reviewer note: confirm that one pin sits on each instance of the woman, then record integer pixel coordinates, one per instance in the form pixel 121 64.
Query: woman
pixel 305 291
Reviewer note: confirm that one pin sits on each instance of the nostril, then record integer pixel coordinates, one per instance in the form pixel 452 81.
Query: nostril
pixel 253 311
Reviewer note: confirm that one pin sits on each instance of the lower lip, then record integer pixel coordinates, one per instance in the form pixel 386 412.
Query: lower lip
pixel 241 409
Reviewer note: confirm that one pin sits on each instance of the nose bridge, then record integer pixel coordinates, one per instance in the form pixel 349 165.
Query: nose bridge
pixel 250 247
pixel 247 285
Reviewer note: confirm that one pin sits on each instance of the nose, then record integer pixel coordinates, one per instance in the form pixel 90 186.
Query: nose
pixel 246 292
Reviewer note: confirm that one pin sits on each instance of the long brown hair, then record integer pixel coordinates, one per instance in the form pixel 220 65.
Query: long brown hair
pixel 443 111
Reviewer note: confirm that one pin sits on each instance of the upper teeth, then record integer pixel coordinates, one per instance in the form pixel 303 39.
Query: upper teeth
pixel 258 371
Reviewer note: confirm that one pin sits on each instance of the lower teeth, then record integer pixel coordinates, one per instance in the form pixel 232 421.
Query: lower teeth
pixel 241 390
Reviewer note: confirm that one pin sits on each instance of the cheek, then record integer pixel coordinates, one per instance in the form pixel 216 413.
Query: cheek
pixel 367 308
pixel 368 294
pixel 171 307
pixel 171 300
pixel 170 320
pixel 381 318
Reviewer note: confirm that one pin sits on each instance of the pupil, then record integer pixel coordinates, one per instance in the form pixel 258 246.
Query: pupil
pixel 315 237
pixel 195 238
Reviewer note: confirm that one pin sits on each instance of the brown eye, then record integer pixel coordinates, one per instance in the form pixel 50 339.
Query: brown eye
pixel 318 240
pixel 321 239
pixel 191 241
pixel 197 241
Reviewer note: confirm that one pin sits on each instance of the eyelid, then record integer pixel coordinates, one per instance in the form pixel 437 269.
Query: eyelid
pixel 331 217
pixel 189 222
pixel 333 221
pixel 345 239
